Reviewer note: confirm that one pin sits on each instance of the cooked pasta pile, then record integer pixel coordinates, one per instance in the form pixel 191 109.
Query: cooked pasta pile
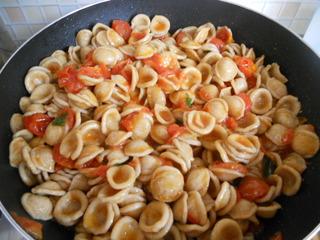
pixel 135 133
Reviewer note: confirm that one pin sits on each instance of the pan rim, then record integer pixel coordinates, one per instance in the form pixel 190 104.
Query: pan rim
pixel 7 215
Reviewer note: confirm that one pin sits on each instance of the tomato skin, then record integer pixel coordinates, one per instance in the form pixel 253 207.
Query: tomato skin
pixel 245 65
pixel 165 162
pixel 67 79
pixel 288 137
pixel 93 72
pixel 231 166
pixel 174 130
pixel 91 164
pixel 71 116
pixel 88 61
pixel 34 228
pixel 61 160
pixel 231 123
pixel 252 82
pixel 127 122
pixel 156 62
pixel 92 172
pixel 180 37
pixel 218 42
pixel 224 34
pixel 277 236
pixel 238 195
pixel 253 188
pixel 192 219
pixel 246 100
pixel 120 66
pixel 105 72
pixel 37 123
pixel 204 94
pixel 137 35
pixel 123 28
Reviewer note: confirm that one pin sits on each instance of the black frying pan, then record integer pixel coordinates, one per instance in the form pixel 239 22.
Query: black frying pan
pixel 300 214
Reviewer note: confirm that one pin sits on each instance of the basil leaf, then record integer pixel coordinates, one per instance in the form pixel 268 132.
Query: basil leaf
pixel 60 120
pixel 189 101
pixel 268 166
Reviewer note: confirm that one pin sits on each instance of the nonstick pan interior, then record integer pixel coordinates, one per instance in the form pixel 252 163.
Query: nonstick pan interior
pixel 301 213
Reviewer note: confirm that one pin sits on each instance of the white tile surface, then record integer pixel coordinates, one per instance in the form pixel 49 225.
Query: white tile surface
pixel 27 2
pixel 51 12
pixel 15 14
pixel 299 26
pixel 272 9
pixel 8 2
pixel 36 27
pixel 285 23
pixel 37 13
pixel 289 10
pixel 33 14
pixel 21 32
pixel 307 9
pixel 66 9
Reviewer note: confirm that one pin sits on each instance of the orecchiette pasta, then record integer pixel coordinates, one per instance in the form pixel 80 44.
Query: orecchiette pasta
pixel 137 133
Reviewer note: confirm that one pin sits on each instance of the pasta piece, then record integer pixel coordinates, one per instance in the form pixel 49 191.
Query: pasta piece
pixel 88 153
pixel 155 96
pixel 42 158
pixel 98 217
pixel 226 229
pixel 133 204
pixel 54 134
pixel 38 207
pixel 225 69
pixel 166 184
pixel 163 114
pixel 70 207
pixel 26 175
pixel 137 148
pixel 198 180
pixel 199 122
pixel 15 151
pixel 120 177
pixel 48 188
pixel 261 100
pixel 117 138
pixel 295 161
pixel 218 133
pixel 236 106
pixel 83 37
pixel 268 211
pixel 175 234
pixel 71 145
pixel 192 77
pixel 140 20
pixel 289 102
pixel 285 117
pixel 126 227
pixel 244 209
pixel 291 179
pixel 156 220
pixel 52 64
pixel 191 214
pixel 305 143
pixel 36 76
pixel 218 108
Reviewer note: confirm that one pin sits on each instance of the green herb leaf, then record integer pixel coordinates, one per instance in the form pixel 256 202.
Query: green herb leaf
pixel 189 101
pixel 60 120
pixel 268 166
